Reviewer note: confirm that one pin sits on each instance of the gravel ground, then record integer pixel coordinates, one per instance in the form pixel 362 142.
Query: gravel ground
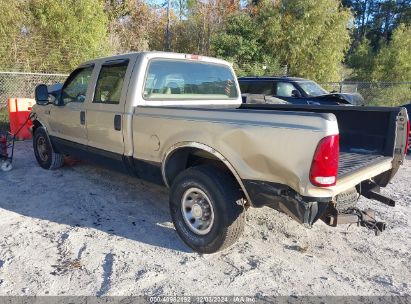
pixel 83 230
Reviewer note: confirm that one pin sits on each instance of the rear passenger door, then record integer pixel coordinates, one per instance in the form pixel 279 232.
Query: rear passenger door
pixel 105 111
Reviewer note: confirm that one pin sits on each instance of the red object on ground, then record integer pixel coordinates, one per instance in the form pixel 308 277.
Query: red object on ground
pixel 19 110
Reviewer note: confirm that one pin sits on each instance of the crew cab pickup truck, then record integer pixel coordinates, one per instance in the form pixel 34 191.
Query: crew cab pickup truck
pixel 178 120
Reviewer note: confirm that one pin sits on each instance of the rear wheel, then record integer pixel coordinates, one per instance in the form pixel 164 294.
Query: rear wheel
pixel 205 208
pixel 43 150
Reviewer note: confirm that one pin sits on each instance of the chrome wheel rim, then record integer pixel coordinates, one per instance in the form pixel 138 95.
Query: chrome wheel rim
pixel 197 211
pixel 42 149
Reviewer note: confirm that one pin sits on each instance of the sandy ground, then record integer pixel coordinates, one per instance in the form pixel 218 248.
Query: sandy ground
pixel 82 230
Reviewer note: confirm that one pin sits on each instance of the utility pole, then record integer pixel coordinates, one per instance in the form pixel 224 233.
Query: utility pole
pixel 167 46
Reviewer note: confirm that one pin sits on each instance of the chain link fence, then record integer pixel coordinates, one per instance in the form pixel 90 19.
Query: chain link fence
pixel 16 84
pixel 375 93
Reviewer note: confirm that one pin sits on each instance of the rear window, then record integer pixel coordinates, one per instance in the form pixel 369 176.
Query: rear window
pixel 181 79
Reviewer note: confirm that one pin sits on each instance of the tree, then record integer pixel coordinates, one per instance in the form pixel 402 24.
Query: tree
pixel 377 19
pixel 390 64
pixel 309 37
pixel 363 59
pixel 62 34
pixel 239 42
pixel 393 63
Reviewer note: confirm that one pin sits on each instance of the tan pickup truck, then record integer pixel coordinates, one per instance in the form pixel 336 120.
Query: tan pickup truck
pixel 178 120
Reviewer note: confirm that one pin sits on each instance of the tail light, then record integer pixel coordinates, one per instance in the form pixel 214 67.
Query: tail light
pixel 324 168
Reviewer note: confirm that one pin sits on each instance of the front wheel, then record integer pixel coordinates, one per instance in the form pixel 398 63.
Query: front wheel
pixel 43 150
pixel 205 205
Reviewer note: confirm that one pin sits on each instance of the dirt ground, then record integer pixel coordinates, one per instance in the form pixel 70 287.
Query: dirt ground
pixel 83 230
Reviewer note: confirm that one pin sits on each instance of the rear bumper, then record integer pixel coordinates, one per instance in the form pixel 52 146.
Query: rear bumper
pixel 308 209
pixel 303 209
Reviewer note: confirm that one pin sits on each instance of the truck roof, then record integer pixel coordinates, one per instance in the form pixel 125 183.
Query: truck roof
pixel 158 54
pixel 282 78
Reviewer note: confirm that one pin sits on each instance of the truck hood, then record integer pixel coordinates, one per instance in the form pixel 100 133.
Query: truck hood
pixel 345 98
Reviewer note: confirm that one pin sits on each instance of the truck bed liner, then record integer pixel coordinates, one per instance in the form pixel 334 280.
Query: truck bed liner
pixel 351 161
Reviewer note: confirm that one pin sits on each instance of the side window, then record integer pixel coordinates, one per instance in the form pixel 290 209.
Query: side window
pixel 244 86
pixel 110 82
pixel 75 88
pixel 261 87
pixel 285 89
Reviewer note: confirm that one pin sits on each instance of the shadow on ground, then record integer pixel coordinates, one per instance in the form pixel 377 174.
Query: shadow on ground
pixel 82 195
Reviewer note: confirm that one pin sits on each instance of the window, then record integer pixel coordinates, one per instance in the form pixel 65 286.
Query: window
pixel 180 79
pixel 257 87
pixel 244 86
pixel 110 82
pixel 75 88
pixel 285 89
pixel 312 89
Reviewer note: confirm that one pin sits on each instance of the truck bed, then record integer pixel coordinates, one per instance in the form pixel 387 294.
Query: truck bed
pixel 353 161
pixel 367 134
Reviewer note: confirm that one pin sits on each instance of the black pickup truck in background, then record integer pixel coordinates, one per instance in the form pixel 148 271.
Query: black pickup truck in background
pixel 292 90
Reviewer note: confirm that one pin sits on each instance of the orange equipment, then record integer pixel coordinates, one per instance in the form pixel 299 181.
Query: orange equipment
pixel 19 111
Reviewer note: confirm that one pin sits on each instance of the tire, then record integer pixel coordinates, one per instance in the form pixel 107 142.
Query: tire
pixel 219 192
pixel 43 150
pixel 347 200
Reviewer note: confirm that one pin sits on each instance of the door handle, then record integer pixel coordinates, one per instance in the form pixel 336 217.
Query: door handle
pixel 117 122
pixel 82 117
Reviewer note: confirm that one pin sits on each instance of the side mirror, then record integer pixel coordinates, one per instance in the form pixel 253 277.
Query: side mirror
pixel 295 93
pixel 41 94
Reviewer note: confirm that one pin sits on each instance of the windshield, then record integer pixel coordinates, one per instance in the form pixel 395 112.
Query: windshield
pixel 312 89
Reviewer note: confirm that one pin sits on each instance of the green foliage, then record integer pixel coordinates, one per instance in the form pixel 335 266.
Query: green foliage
pixel 10 19
pixel 390 63
pixel 313 38
pixel 392 95
pixel 393 62
pixel 363 61
pixel 238 41
pixel 76 29
pixel 376 20
pixel 309 37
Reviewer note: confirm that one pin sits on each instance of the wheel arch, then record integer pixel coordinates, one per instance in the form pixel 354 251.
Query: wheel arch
pixel 37 124
pixel 176 159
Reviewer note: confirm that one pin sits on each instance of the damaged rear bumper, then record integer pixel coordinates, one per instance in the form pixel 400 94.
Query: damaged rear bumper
pixel 307 210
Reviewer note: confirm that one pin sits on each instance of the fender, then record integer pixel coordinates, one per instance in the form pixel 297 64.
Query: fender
pixel 197 145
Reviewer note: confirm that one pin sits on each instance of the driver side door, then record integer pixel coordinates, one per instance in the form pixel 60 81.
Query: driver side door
pixel 68 118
